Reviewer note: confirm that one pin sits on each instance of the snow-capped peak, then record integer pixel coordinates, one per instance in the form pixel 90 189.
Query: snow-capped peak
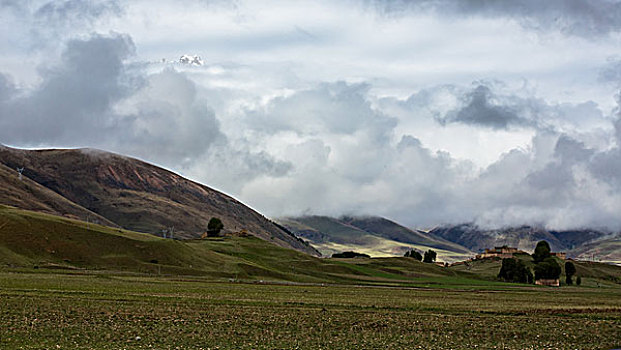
pixel 191 60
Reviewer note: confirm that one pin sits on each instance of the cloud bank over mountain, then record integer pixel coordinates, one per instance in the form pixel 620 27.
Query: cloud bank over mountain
pixel 426 112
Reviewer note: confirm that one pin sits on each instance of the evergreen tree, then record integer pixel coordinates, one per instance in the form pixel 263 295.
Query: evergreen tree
pixel 542 251
pixel 570 270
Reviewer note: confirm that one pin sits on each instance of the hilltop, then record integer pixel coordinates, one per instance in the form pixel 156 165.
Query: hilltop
pixel 120 191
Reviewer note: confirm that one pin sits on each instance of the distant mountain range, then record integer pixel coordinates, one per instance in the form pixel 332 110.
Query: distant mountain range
pixel 114 190
pixel 374 236
pixel 582 244
pixel 378 236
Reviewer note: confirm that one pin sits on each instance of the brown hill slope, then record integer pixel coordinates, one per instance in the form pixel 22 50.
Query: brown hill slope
pixel 27 194
pixel 130 193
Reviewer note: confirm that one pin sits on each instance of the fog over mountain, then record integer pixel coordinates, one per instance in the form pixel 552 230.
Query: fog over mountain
pixel 425 112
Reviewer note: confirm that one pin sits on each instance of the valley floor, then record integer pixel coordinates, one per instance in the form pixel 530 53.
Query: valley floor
pixel 43 309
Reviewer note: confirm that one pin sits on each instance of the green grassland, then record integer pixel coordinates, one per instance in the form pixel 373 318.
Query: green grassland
pixel 71 285
pixel 102 311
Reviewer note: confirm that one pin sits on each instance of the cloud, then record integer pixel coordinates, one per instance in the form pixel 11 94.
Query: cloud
pixel 7 88
pixel 331 148
pixel 339 108
pixel 572 17
pixel 480 110
pixel 94 98
pixel 73 98
pixel 69 11
pixel 556 180
pixel 611 72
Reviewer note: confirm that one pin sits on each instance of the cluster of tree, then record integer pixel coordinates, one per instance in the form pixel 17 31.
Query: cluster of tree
pixel 430 256
pixel 514 270
pixel 350 255
pixel 413 254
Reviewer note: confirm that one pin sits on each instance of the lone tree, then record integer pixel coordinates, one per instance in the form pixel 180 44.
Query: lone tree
pixel 214 227
pixel 542 251
pixel 548 269
pixel 578 280
pixel 514 270
pixel 570 271
pixel 413 254
pixel 430 256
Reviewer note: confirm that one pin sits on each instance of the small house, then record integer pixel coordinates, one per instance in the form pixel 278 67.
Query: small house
pixel 548 282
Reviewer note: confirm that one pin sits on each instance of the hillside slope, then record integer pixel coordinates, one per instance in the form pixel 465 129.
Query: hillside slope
pixel 371 235
pixel 27 194
pixel 131 194
pixel 30 239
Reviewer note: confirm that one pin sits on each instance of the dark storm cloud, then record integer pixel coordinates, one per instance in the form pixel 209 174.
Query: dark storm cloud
pixel 572 17
pixel 481 110
pixel 74 97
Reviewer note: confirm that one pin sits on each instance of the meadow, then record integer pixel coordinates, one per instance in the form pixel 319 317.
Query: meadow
pixel 79 310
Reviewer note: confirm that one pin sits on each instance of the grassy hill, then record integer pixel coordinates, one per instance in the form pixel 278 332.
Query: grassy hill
pixel 374 236
pixel 122 191
pixel 30 239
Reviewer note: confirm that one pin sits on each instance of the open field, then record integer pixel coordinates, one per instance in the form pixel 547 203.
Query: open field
pixel 71 285
pixel 102 311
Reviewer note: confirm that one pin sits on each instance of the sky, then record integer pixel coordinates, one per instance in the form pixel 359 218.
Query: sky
pixel 427 112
